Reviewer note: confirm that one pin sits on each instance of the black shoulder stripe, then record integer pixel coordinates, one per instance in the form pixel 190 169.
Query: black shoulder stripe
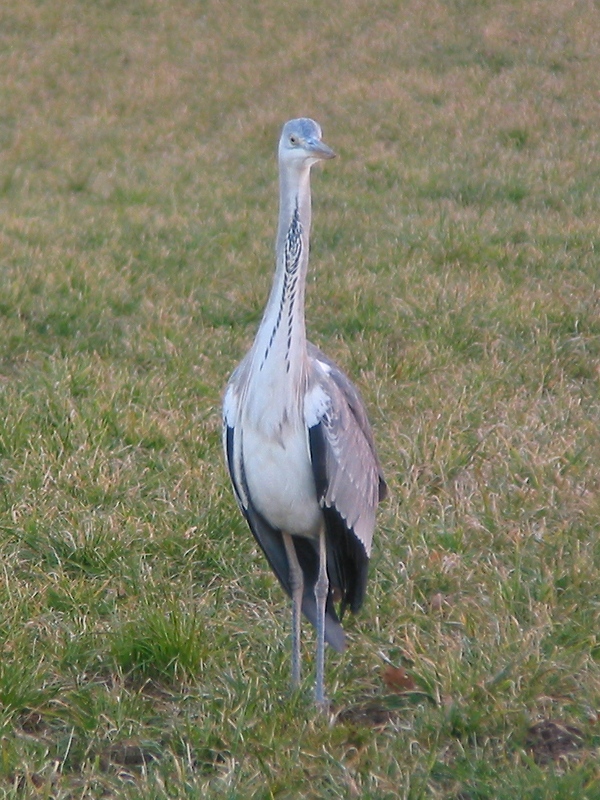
pixel 229 448
pixel 318 457
pixel 238 490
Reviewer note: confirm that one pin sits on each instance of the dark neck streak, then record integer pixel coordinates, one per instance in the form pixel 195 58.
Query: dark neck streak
pixel 292 254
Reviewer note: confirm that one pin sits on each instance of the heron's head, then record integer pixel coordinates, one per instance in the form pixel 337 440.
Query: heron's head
pixel 300 144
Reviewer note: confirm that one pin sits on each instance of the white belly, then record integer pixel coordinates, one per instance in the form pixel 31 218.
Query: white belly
pixel 280 480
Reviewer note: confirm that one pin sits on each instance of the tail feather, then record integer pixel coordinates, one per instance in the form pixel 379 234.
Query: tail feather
pixel 334 633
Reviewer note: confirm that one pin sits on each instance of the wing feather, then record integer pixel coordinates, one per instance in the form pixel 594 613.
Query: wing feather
pixel 348 466
pixel 348 476
pixel 355 403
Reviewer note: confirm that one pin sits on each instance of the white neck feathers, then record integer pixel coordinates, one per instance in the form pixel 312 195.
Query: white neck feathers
pixel 281 340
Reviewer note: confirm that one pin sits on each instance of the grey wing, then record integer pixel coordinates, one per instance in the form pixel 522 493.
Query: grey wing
pixel 348 476
pixel 356 405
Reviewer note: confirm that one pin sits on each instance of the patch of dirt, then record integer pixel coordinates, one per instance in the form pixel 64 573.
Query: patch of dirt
pixel 126 754
pixel 550 740
pixel 371 714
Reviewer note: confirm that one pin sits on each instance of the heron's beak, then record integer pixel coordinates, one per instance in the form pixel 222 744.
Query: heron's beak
pixel 321 150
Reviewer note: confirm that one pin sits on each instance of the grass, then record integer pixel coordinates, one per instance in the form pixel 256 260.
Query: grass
pixel 144 640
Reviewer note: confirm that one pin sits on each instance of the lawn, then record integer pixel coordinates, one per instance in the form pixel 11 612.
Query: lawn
pixel 145 642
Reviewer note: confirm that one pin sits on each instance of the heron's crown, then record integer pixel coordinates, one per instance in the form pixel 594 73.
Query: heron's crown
pixel 302 138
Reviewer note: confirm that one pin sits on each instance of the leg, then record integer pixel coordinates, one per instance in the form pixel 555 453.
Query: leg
pixel 297 586
pixel 321 592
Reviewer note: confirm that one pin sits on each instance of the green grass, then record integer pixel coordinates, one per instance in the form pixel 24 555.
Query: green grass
pixel 144 641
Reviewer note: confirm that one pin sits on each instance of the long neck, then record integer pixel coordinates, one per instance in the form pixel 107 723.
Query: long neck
pixel 281 338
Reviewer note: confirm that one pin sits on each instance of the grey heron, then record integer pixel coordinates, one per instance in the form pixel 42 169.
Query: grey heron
pixel 298 443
